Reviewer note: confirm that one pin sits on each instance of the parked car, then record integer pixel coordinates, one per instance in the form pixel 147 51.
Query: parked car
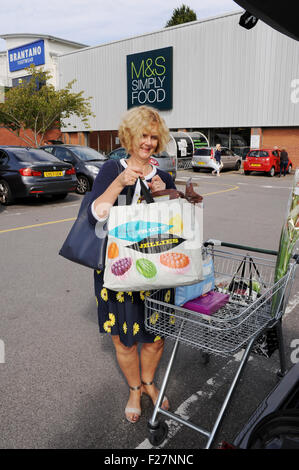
pixel 33 172
pixel 86 161
pixel 204 159
pixel 265 160
pixel 162 160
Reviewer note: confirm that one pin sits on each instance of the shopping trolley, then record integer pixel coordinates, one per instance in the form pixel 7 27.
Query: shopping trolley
pixel 256 304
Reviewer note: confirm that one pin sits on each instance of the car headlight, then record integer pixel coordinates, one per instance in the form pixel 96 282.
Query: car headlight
pixel 93 169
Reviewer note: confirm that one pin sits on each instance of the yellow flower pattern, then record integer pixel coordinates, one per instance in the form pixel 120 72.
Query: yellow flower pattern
pixel 104 294
pixel 157 338
pixel 167 296
pixel 136 328
pixel 109 323
pixel 125 327
pixel 154 318
pixel 120 297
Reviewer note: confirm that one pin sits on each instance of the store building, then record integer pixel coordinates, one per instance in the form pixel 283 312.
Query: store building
pixel 22 51
pixel 238 87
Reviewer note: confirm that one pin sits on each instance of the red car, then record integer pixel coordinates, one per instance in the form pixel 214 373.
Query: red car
pixel 265 160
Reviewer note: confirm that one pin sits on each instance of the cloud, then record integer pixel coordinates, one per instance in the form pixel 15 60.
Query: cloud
pixel 94 22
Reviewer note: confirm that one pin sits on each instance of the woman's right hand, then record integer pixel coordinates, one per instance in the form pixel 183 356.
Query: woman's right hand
pixel 129 176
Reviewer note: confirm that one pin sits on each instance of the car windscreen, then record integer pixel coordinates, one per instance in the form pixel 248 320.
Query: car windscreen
pixel 258 153
pixel 203 152
pixel 87 154
pixel 33 156
pixel 118 154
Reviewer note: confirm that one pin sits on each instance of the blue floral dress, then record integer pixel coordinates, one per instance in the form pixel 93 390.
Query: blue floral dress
pixel 122 313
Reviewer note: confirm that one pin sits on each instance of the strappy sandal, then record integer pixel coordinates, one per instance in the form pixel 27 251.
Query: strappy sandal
pixel 134 411
pixel 165 399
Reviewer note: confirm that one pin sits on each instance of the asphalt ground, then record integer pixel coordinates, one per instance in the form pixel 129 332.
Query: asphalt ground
pixel 60 385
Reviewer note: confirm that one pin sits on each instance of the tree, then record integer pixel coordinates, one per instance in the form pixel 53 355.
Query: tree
pixel 36 107
pixel 181 15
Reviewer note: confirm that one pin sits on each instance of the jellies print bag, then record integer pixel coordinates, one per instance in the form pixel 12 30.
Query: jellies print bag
pixel 154 246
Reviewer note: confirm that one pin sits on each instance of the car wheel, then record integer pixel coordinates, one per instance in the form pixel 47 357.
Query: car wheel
pixel 83 185
pixel 246 172
pixel 271 172
pixel 238 165
pixel 6 197
pixel 290 169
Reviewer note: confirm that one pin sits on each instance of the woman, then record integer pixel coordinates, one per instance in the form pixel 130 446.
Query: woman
pixel 217 157
pixel 142 132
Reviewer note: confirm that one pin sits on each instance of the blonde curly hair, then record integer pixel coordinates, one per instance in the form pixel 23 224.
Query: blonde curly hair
pixel 139 120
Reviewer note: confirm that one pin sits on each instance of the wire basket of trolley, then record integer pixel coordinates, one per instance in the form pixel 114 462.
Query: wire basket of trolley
pixel 242 307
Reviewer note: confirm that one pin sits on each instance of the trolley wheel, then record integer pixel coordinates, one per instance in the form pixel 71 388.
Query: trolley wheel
pixel 158 434
pixel 204 357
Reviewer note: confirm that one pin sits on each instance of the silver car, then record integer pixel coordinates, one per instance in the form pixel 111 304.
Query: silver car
pixel 162 160
pixel 203 158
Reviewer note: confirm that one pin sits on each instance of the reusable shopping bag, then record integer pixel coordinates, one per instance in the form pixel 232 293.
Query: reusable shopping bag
pixel 154 246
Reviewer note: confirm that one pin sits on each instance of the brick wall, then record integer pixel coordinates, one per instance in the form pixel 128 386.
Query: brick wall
pixel 284 137
pixel 7 138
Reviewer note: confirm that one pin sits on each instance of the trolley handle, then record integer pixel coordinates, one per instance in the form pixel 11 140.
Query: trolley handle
pixel 212 242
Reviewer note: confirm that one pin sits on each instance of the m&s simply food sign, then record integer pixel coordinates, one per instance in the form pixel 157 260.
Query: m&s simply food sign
pixel 149 79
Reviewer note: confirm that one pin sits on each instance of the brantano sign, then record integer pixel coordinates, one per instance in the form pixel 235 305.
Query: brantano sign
pixel 149 79
pixel 23 56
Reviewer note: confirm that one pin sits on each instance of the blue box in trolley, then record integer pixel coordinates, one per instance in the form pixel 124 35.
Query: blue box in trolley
pixel 257 304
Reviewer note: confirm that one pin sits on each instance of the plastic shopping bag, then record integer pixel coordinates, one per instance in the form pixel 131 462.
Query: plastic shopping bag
pixel 184 294
pixel 154 246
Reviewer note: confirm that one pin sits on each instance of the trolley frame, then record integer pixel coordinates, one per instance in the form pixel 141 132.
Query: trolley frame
pixel 158 430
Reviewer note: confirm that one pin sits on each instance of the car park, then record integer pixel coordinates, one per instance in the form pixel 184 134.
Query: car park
pixel 264 160
pixel 162 160
pixel 204 159
pixel 86 161
pixel 33 172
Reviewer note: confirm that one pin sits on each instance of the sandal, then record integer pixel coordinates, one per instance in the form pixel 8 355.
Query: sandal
pixel 133 411
pixel 165 401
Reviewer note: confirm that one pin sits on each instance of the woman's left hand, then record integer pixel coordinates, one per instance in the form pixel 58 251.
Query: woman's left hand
pixel 156 184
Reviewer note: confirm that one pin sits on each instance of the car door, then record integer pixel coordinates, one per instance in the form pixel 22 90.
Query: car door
pixel 276 159
pixel 231 158
pixel 6 169
pixel 65 155
pixel 225 157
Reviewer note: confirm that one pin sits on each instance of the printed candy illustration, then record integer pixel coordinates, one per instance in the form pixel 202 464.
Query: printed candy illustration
pixel 176 261
pixel 177 224
pixel 138 230
pixel 113 250
pixel 120 267
pixel 146 268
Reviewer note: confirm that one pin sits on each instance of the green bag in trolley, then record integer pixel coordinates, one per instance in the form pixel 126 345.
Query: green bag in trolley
pixel 154 246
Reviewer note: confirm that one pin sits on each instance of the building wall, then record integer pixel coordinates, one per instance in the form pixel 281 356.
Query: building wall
pixel 287 138
pixel 8 138
pixel 223 75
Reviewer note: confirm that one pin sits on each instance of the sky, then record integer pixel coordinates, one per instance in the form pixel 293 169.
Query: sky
pixel 93 22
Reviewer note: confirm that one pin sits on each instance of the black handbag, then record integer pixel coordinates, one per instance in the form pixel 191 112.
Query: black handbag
pixel 82 244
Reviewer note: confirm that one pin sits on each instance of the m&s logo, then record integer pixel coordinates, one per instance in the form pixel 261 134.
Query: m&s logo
pixel 149 78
